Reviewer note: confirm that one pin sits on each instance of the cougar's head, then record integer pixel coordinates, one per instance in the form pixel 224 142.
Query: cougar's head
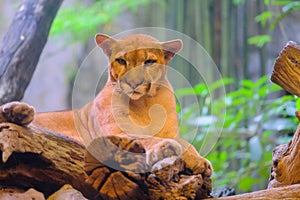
pixel 137 62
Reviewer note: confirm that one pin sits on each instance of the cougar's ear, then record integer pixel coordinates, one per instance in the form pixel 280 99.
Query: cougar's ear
pixel 105 42
pixel 171 48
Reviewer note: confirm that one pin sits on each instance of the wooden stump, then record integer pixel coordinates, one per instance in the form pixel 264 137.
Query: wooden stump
pixel 286 72
pixel 286 158
pixel 286 163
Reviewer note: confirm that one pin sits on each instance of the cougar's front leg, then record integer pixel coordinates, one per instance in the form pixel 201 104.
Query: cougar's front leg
pixel 196 163
pixel 17 112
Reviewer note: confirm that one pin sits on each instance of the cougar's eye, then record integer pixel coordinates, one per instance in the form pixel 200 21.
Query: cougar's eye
pixel 121 61
pixel 149 62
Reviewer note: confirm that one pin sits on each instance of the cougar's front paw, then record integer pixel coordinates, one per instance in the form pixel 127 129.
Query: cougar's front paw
pixel 196 163
pixel 18 113
pixel 122 153
pixel 163 149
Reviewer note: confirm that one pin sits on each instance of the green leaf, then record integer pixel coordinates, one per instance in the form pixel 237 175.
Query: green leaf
pixel 281 2
pixel 246 183
pixel 298 104
pixel 182 92
pixel 201 89
pixel 79 21
pixel 247 83
pixel 261 81
pixel 259 40
pixel 220 83
pixel 289 7
pixel 264 17
pixel 236 2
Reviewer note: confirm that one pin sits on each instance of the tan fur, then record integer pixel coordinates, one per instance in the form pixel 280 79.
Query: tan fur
pixel 117 109
pixel 135 50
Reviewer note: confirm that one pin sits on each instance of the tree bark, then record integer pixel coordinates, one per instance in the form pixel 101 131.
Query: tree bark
pixel 22 45
pixel 44 161
pixel 286 163
pixel 291 192
pixel 131 178
pixel 286 72
pixel 39 160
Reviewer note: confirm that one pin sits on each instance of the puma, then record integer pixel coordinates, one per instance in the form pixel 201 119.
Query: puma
pixel 137 100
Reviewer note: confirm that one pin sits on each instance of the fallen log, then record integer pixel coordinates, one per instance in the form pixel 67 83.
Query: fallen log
pixel 118 170
pixel 43 161
pixel 40 160
pixel 291 192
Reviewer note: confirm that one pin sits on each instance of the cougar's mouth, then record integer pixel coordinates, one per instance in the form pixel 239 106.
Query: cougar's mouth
pixel 135 93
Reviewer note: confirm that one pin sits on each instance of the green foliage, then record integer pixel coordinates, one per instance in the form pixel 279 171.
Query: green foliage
pixel 81 21
pixel 259 40
pixel 270 19
pixel 264 17
pixel 238 1
pixel 288 8
pixel 255 122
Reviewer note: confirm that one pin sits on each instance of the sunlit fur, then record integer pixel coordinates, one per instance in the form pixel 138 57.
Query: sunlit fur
pixel 136 97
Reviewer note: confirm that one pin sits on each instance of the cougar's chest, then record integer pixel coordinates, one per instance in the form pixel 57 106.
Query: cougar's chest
pixel 139 112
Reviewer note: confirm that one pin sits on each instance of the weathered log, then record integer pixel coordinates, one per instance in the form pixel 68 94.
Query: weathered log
pixel 45 161
pixel 286 159
pixel 291 192
pixel 40 160
pixel 286 72
pixel 22 45
pixel 126 175
pixel 286 163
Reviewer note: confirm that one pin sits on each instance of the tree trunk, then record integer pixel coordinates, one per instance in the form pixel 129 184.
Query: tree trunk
pixel 22 45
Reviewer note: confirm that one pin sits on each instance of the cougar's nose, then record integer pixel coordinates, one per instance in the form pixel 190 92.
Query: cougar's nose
pixel 134 85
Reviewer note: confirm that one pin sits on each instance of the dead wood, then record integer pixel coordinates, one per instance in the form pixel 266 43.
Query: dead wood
pixel 286 158
pixel 287 69
pixel 286 163
pixel 46 161
pixel 126 175
pixel 39 160
pixel 291 192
